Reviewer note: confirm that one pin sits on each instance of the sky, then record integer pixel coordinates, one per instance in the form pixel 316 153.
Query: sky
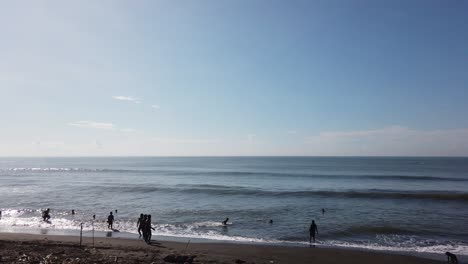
pixel 243 77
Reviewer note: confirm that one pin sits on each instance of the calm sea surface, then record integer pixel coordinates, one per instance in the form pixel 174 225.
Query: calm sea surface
pixel 401 204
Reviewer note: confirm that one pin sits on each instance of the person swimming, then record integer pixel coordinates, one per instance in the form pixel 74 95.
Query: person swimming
pixel 225 221
pixel 73 211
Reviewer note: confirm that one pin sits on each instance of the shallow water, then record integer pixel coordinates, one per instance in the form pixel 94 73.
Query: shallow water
pixel 400 204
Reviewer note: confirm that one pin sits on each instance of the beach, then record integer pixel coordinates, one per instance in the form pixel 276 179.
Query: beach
pixel 27 248
pixel 407 206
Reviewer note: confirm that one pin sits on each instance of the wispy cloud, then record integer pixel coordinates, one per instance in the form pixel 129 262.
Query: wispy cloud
pixel 155 106
pixel 97 143
pixel 92 124
pixel 168 140
pixel 391 141
pixel 128 130
pixel 126 98
pixel 251 138
pixel 49 144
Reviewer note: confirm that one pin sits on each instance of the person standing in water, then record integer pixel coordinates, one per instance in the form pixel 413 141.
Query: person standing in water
pixel 225 221
pixel 148 225
pixel 323 211
pixel 144 230
pixel 312 231
pixel 140 224
pixel 46 215
pixel 110 221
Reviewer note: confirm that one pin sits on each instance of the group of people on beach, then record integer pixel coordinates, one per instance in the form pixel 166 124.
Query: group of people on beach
pixel 144 224
pixel 144 227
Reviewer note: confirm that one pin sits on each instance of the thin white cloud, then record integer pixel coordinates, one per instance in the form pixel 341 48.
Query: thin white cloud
pixel 49 144
pixel 251 138
pixel 128 130
pixel 291 132
pixel 92 124
pixel 391 141
pixel 182 140
pixel 126 98
pixel 155 106
pixel 97 143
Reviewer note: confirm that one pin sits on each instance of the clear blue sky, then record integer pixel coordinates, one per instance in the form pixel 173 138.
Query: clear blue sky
pixel 233 78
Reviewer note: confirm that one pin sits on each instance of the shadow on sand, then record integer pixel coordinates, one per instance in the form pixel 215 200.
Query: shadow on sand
pixel 155 244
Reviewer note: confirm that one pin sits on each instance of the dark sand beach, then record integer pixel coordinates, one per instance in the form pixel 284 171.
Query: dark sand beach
pixel 26 248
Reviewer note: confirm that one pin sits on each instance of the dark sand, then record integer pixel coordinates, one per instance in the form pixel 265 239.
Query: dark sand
pixel 25 248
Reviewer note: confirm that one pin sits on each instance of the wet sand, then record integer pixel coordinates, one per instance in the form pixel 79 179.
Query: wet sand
pixel 26 248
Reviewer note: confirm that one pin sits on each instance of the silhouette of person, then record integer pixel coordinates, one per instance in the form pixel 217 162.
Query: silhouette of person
pixel 73 211
pixel 94 217
pixel 144 230
pixel 323 211
pixel 312 231
pixel 149 227
pixel 225 221
pixel 46 215
pixel 140 224
pixel 271 221
pixel 110 221
pixel 451 258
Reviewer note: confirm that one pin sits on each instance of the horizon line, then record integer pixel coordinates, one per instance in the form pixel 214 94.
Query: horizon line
pixel 237 156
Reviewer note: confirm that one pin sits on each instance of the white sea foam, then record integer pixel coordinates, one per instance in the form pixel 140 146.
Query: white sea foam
pixel 454 248
pixel 213 231
pixel 42 169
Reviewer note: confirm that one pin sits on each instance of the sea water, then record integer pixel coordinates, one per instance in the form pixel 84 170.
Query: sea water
pixel 393 204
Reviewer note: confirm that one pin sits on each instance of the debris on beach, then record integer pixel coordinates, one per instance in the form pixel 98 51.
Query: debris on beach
pixel 179 259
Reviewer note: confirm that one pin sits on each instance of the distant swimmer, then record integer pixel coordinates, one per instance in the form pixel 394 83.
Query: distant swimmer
pixel 225 221
pixel 451 258
pixel 312 231
pixel 115 210
pixel 46 215
pixel 94 217
pixel 73 211
pixel 271 221
pixel 110 221
pixel 323 211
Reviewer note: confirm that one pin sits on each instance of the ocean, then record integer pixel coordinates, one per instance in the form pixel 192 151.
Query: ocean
pixel 380 203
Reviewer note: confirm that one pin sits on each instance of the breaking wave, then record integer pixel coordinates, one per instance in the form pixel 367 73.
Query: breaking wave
pixel 211 189
pixel 237 173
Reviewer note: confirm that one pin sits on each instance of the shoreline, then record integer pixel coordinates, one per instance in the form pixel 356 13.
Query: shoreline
pixel 87 235
pixel 130 250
